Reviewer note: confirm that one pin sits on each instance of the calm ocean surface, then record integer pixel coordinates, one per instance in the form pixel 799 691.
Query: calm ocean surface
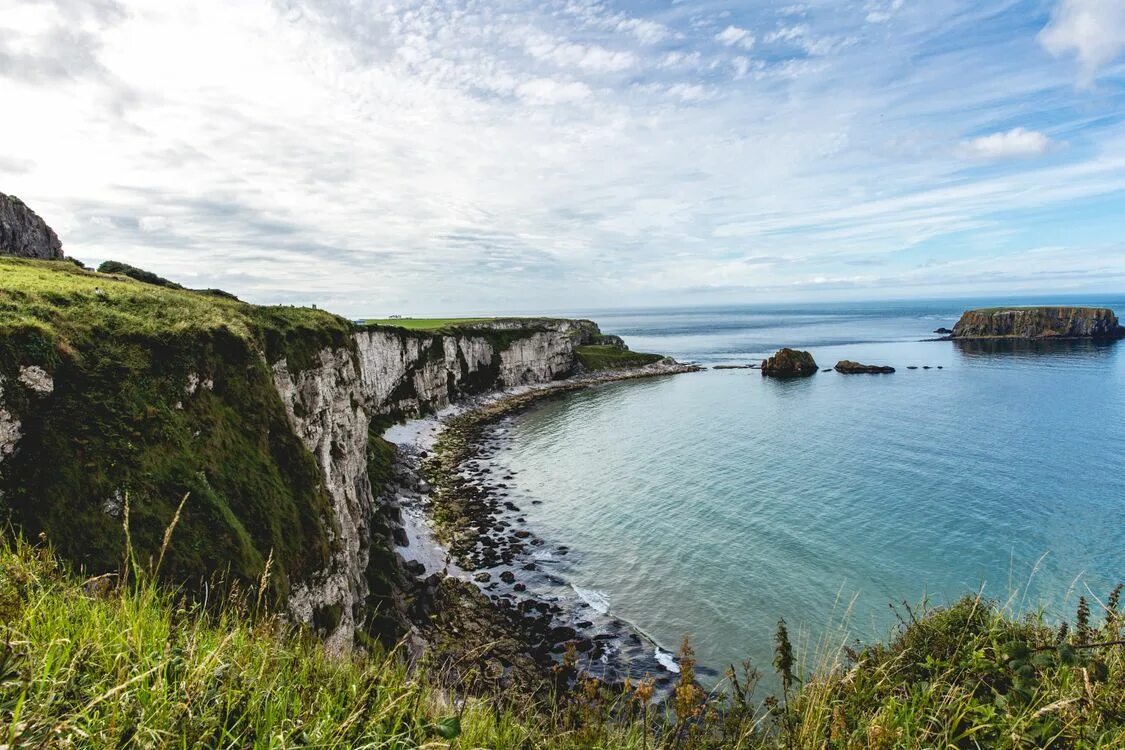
pixel 712 504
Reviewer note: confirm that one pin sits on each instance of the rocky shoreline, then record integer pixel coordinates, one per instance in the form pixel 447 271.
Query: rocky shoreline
pixel 486 588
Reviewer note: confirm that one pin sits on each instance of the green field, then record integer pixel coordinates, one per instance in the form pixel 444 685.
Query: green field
pixel 602 357
pixel 425 324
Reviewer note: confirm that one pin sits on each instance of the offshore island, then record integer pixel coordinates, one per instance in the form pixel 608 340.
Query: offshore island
pixel 213 536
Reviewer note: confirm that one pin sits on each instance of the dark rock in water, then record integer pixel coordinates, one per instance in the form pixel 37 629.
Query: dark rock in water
pixel 925 367
pixel 400 537
pixel 508 577
pixel 482 577
pixel 562 634
pixel 414 568
pixel 1039 323
pixel 912 367
pixel 789 363
pixel 733 367
pixel 531 566
pixel 847 367
pixel 827 369
pixel 25 235
pixel 943 331
pixel 519 587
pixel 940 367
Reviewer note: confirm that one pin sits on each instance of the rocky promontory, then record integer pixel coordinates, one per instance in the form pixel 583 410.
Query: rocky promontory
pixel 1038 323
pixel 24 234
pixel 789 363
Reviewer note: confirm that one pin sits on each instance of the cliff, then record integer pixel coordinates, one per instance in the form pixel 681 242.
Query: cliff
pixel 1038 323
pixel 25 235
pixel 118 396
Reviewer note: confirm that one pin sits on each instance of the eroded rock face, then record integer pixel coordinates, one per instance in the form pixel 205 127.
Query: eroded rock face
pixel 324 405
pixel 789 363
pixel 1039 323
pixel 392 372
pixel 24 234
pixel 407 372
pixel 848 367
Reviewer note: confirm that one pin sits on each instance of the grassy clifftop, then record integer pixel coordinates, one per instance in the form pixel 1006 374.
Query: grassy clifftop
pixel 157 393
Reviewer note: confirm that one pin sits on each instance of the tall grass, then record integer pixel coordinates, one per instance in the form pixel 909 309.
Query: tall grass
pixel 123 662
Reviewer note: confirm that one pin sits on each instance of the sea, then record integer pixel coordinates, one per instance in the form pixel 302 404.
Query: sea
pixel 711 505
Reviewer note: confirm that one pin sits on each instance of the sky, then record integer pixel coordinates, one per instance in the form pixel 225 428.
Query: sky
pixel 463 156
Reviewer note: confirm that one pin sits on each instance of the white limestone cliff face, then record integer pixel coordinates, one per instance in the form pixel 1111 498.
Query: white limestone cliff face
pixel 325 407
pixel 392 372
pixel 413 373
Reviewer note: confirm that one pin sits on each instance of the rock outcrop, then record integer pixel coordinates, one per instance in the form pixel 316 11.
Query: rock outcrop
pixel 848 367
pixel 1038 323
pixel 789 363
pixel 24 234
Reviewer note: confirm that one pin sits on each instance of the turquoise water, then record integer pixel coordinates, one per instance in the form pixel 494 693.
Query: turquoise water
pixel 714 503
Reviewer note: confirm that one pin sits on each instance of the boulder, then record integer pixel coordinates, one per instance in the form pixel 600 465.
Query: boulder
pixel 789 363
pixel 847 367
pixel 24 234
pixel 943 331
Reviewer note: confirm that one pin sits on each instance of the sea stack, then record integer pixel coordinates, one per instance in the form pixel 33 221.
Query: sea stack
pixel 789 363
pixel 1038 323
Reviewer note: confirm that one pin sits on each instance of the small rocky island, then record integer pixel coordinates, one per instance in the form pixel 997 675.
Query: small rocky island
pixel 789 363
pixel 848 367
pixel 1038 323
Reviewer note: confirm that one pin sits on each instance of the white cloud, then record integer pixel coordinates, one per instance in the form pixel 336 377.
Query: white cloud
pixel 546 91
pixel 153 223
pixel 463 157
pixel 590 58
pixel 1094 30
pixel 733 35
pixel 881 12
pixel 1017 143
pixel 646 32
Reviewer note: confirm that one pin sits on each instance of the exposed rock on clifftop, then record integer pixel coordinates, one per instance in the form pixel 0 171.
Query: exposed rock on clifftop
pixel 1038 323
pixel 789 363
pixel 24 234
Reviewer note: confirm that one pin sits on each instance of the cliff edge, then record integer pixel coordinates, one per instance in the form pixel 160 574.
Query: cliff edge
pixel 1038 323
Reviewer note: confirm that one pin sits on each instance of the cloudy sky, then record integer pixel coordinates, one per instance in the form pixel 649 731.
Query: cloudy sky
pixel 433 156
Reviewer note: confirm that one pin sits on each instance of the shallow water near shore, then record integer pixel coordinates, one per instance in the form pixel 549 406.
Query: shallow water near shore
pixel 712 504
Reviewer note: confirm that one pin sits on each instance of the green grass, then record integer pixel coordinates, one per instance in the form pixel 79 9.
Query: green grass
pixel 101 663
pixel 425 324
pixel 597 357
pixel 122 423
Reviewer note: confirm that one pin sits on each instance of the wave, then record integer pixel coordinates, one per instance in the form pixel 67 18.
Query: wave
pixel 667 660
pixel 598 600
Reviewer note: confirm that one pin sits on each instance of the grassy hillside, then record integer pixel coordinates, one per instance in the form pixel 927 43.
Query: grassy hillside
pixel 98 665
pixel 596 357
pixel 159 393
